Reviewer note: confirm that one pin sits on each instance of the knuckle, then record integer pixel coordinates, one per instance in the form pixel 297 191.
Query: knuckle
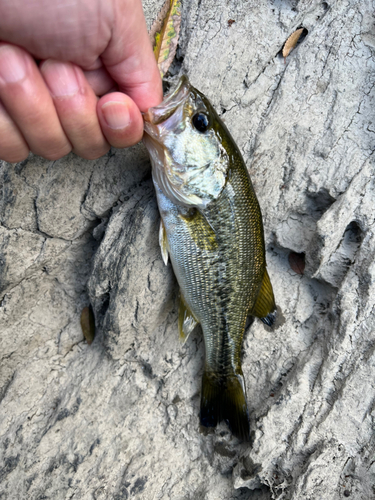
pixel 14 152
pixel 55 154
pixel 13 158
pixel 94 153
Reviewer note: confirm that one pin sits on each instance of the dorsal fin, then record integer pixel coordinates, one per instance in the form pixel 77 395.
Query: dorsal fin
pixel 163 242
pixel 265 307
pixel 186 320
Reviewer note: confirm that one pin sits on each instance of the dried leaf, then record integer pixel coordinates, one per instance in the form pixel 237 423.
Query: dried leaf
pixel 164 34
pixel 297 262
pixel 230 22
pixel 88 324
pixel 157 25
pixel 292 42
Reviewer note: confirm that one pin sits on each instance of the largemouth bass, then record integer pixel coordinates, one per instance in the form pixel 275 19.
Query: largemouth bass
pixel 211 228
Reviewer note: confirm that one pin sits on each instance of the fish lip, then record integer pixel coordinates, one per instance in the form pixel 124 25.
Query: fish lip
pixel 158 114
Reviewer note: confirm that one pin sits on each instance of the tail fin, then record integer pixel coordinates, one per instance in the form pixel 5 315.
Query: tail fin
pixel 224 399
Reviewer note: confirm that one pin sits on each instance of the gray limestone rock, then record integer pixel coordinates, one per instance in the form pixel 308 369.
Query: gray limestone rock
pixel 119 419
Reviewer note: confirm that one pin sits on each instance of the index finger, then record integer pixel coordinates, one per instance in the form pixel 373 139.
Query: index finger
pixel 129 57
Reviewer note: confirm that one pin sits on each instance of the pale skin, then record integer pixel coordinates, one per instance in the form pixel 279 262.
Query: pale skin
pixel 75 75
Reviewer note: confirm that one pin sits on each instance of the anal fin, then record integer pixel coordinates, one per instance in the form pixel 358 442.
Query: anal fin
pixel 186 320
pixel 265 307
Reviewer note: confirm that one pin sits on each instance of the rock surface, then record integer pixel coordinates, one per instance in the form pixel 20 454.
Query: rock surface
pixel 119 419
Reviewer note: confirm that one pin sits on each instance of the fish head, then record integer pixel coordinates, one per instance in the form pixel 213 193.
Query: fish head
pixel 186 141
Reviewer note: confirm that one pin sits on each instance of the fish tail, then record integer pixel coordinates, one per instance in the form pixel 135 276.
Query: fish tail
pixel 224 399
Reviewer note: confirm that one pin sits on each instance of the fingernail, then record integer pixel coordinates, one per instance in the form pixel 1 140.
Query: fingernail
pixel 12 64
pixel 60 77
pixel 116 114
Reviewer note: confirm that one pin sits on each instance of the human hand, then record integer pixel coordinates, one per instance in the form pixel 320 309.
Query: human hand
pixel 56 58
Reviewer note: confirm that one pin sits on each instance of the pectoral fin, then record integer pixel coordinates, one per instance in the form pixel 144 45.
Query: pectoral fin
pixel 163 242
pixel 265 307
pixel 201 231
pixel 186 320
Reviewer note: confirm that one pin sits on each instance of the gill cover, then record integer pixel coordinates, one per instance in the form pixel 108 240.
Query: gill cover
pixel 181 134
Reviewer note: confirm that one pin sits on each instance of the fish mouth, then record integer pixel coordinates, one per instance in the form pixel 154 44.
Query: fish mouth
pixel 159 114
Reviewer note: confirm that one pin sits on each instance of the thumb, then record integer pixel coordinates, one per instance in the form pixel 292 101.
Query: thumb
pixel 129 57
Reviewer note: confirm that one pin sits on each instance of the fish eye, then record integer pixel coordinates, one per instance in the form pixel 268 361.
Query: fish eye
pixel 200 122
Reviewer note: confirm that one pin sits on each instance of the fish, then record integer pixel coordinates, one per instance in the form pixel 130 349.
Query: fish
pixel 211 229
